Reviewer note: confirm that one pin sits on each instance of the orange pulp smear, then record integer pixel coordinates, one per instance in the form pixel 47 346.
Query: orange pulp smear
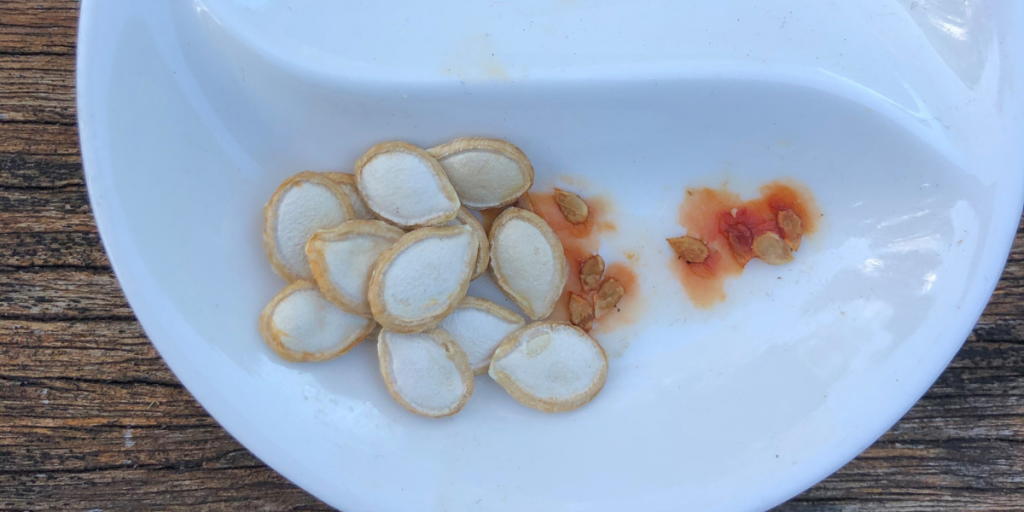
pixel 580 242
pixel 706 212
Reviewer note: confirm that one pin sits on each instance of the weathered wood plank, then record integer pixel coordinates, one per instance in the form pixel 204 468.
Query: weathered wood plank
pixel 114 351
pixel 38 26
pixel 40 171
pixel 907 500
pixel 61 294
pixel 37 88
pixel 39 139
pixel 35 210
pixel 129 489
pixel 48 249
pixel 73 403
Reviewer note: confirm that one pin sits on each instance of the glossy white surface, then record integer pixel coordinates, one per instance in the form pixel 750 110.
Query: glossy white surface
pixel 904 118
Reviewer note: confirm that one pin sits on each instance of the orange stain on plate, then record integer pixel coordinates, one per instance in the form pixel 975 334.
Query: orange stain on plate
pixel 580 242
pixel 727 225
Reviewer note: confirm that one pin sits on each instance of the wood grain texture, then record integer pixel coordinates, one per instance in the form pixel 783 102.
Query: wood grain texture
pixel 91 418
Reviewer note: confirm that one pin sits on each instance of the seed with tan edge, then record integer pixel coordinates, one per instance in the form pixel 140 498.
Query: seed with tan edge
pixel 608 296
pixel 343 258
pixel 771 249
pixel 421 278
pixel 301 206
pixel 427 373
pixel 300 325
pixel 405 186
pixel 574 209
pixel 591 272
pixel 550 366
pixel 792 228
pixel 581 313
pixel 486 173
pixel 528 262
pixel 689 249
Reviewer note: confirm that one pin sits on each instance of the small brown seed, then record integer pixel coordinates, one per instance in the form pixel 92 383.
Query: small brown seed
pixel 771 249
pixel 608 296
pixel 591 272
pixel 689 249
pixel 792 228
pixel 740 239
pixel 581 313
pixel 574 209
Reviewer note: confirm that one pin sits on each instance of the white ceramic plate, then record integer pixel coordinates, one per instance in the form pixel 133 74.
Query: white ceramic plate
pixel 903 117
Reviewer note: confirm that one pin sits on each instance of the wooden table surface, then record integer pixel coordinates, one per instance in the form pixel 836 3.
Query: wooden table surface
pixel 91 419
